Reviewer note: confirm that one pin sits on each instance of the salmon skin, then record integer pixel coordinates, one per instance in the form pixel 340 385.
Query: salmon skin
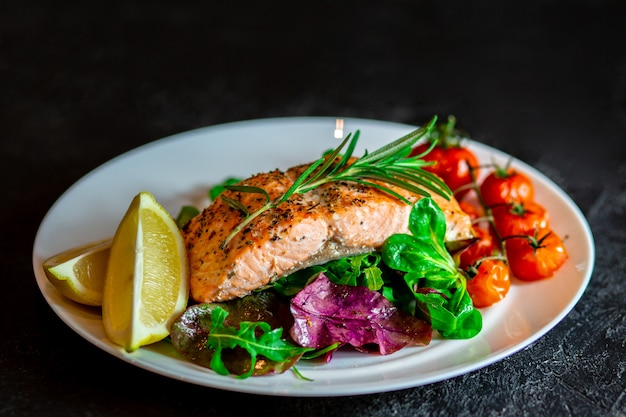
pixel 332 221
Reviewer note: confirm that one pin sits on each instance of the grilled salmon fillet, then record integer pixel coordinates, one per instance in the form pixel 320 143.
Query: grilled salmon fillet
pixel 330 222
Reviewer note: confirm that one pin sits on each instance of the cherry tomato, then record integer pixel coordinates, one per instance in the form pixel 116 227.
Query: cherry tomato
pixel 484 246
pixel 490 284
pixel 451 163
pixel 506 186
pixel 536 257
pixel 519 218
pixel 473 210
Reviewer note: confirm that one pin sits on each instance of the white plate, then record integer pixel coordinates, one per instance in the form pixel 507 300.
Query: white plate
pixel 179 169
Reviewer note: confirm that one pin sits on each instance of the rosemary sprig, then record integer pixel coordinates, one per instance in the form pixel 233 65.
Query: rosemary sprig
pixel 390 164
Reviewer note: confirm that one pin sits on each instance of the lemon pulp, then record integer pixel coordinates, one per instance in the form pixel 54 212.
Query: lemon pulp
pixel 146 285
pixel 79 273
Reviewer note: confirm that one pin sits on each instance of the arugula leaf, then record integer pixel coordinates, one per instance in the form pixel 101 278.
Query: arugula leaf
pixel 257 338
pixel 430 272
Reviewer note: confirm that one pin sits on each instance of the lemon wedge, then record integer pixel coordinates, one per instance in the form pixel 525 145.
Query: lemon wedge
pixel 146 285
pixel 79 273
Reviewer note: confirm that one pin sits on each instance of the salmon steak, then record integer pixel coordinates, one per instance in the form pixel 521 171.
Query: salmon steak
pixel 332 221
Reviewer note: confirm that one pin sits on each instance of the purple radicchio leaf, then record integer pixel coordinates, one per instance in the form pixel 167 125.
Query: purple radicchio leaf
pixel 326 313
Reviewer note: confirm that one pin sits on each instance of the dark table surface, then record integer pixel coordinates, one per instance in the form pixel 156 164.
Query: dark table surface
pixel 82 82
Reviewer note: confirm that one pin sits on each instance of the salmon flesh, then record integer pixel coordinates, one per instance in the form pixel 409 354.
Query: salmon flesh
pixel 332 221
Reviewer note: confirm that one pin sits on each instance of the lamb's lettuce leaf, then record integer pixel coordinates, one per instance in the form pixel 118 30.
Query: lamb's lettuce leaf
pixel 440 290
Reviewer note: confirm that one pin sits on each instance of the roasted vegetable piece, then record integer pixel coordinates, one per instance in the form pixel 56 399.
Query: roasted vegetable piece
pixel 484 246
pixel 472 209
pixel 519 218
pixel 536 257
pixel 505 185
pixel 451 160
pixel 490 284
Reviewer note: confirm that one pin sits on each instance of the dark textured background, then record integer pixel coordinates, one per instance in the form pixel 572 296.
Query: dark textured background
pixel 85 81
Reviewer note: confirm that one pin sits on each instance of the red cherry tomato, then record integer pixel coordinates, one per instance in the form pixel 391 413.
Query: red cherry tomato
pixel 473 210
pixel 490 284
pixel 536 257
pixel 452 164
pixel 506 186
pixel 519 218
pixel 483 247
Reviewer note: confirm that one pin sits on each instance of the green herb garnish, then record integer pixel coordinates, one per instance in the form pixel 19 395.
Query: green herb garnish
pixel 390 164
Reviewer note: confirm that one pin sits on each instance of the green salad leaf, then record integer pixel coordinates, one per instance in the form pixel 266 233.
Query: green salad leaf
pixel 257 338
pixel 216 190
pixel 439 288
pixel 361 270
pixel 186 213
pixel 365 270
